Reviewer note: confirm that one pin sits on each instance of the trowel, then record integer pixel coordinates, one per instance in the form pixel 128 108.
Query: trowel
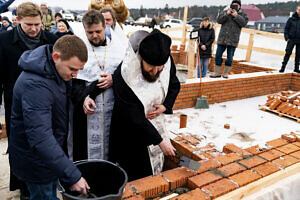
pixel 188 162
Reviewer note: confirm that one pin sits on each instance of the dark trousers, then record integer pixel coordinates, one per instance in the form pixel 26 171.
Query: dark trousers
pixel 219 54
pixel 288 52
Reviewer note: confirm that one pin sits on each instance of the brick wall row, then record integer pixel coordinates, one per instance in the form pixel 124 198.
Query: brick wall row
pixel 295 83
pixel 236 88
pixel 239 68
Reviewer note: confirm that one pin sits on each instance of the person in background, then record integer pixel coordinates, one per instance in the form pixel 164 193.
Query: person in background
pixel 109 18
pixel 153 21
pixel 14 21
pixel 232 21
pixel 47 17
pixel 292 36
pixel 63 28
pixel 206 38
pixel 6 24
pixel 57 16
pixel 26 36
pixel 39 121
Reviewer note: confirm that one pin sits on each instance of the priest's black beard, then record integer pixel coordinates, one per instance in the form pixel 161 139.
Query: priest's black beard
pixel 101 43
pixel 147 76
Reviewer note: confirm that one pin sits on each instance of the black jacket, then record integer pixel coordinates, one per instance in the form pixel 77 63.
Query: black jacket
pixel 206 37
pixel 131 132
pixel 292 29
pixel 39 121
pixel 11 49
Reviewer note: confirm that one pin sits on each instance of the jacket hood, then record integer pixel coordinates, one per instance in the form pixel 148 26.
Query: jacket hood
pixel 295 15
pixel 38 61
pixel 210 25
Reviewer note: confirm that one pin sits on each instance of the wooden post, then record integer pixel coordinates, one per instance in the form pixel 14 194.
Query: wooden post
pixel 250 46
pixel 183 41
pixel 191 58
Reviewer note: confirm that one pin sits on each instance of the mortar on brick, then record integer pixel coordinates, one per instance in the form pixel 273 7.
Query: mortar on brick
pixel 196 194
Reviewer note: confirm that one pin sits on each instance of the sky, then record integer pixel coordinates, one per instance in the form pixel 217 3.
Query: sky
pixel 83 4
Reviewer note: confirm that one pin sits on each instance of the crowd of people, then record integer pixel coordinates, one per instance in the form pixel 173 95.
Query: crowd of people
pixel 96 95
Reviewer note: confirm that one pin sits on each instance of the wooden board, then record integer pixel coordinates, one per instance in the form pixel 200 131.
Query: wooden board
pixel 265 108
pixel 261 183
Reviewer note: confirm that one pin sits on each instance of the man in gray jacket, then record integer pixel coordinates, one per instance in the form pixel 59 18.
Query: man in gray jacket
pixel 232 20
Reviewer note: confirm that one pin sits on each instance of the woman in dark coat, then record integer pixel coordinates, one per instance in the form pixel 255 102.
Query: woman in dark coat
pixel 63 28
pixel 205 40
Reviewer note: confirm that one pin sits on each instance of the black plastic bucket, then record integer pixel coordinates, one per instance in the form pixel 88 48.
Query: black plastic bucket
pixel 106 180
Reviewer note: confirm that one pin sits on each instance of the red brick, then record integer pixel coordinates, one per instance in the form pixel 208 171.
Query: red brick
pixel 150 186
pixel 203 179
pixel 231 169
pixel 229 158
pixel 252 162
pixel 191 139
pixel 245 177
pixel 256 150
pixel 296 143
pixel 286 161
pixel 271 155
pixel 178 177
pixel 227 126
pixel 208 164
pixel 136 197
pixel 220 187
pixel 289 137
pixel 289 148
pixel 296 154
pixel 277 142
pixel 184 147
pixel 231 148
pixel 196 194
pixel 128 192
pixel 266 169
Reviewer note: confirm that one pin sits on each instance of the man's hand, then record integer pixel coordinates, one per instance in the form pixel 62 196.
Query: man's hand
pixel 87 104
pixel 159 109
pixel 229 11
pixel 234 13
pixel 203 47
pixel 81 186
pixel 106 81
pixel 167 148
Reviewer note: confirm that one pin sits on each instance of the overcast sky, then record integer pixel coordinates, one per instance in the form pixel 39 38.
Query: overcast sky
pixel 83 4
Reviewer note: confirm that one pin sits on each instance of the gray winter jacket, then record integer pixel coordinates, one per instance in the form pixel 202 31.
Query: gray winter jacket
pixel 231 27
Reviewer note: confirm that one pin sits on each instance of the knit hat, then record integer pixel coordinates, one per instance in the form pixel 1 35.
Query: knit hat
pixel 155 48
pixel 65 22
pixel 136 38
pixel 5 19
pixel 237 1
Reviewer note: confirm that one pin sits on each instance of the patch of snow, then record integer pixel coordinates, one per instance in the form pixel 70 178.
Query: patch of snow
pixel 248 125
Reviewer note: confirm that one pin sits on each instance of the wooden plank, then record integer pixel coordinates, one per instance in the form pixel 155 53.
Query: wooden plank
pixel 191 58
pixel 261 183
pixel 186 9
pixel 250 47
pixel 265 108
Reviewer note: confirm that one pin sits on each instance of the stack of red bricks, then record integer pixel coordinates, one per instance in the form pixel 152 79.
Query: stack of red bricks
pixel 223 172
pixel 281 103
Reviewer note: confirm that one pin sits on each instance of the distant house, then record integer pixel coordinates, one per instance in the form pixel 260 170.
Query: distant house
pixel 254 14
pixel 273 24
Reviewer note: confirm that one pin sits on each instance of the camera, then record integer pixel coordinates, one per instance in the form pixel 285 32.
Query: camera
pixel 234 7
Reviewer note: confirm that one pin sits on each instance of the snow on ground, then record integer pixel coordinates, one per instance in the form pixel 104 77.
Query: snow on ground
pixel 248 125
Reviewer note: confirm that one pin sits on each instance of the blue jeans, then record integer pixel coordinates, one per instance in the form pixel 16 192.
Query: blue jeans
pixel 204 66
pixel 220 51
pixel 42 191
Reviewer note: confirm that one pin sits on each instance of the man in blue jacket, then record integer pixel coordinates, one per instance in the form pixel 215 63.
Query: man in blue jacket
pixel 39 119
pixel 292 36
